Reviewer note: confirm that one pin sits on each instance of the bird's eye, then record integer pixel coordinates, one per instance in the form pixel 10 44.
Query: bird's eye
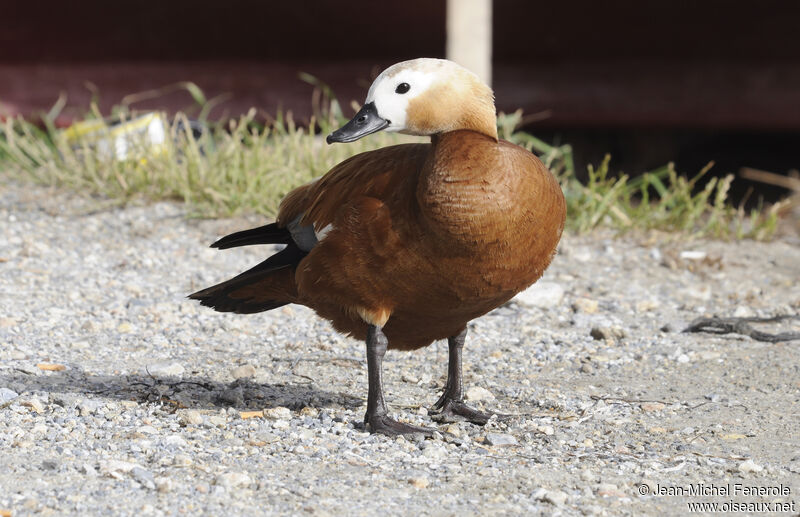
pixel 402 88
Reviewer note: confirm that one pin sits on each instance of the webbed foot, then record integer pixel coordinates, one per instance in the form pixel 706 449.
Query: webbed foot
pixel 448 410
pixel 384 424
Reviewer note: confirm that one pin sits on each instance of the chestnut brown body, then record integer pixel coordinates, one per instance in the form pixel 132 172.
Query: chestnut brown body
pixel 425 237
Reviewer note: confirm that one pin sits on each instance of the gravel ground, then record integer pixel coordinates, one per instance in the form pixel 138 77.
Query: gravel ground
pixel 120 396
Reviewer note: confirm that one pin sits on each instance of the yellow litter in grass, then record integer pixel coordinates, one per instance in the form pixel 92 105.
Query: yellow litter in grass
pixel 137 138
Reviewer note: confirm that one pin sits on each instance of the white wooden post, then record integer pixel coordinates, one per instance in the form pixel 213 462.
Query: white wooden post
pixel 469 35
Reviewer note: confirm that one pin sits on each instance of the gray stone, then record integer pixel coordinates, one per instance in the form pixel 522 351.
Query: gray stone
pixel 190 417
pixel 175 441
pixel 230 480
pixel 64 399
pixel 499 439
pixel 7 395
pixel 144 477
pixel 165 369
pixel 49 465
pixel 88 407
pixel 164 484
pixel 110 467
pixel 607 333
pixel 243 372
pixel 541 294
pixel 477 394
pixel 749 466
pixel 556 497
pixel 278 413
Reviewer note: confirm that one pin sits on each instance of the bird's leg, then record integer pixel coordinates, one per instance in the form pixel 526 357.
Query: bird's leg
pixel 377 418
pixel 451 407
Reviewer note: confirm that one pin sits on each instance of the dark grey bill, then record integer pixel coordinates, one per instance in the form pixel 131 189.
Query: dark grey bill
pixel 364 123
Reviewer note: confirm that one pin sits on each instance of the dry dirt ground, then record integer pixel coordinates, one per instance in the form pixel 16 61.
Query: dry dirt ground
pixel 120 396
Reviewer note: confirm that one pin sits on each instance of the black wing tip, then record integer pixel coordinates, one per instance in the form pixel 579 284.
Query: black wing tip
pixel 267 234
pixel 204 298
pixel 219 298
pixel 214 297
pixel 223 303
pixel 229 241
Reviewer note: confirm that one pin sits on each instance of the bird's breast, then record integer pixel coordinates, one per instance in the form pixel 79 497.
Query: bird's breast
pixel 493 214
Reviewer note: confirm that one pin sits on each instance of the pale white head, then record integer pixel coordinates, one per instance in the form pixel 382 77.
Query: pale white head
pixel 423 97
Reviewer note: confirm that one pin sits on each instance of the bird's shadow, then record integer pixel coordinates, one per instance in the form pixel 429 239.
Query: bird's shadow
pixel 74 386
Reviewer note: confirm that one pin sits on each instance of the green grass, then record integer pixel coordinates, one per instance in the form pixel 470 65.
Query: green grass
pixel 246 167
pixel 661 199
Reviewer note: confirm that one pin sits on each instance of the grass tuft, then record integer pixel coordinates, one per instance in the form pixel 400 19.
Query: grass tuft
pixel 661 199
pixel 245 166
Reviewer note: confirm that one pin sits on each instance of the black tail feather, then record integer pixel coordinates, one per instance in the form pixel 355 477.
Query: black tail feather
pixel 268 234
pixel 223 298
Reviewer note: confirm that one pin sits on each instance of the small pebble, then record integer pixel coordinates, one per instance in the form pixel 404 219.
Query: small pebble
pixel 749 466
pixel 111 467
pixel 477 394
pixel 230 480
pixel 419 482
pixel 182 460
pixel 144 477
pixel 7 394
pixel 499 439
pixel 278 413
pixel 647 305
pixel 165 369
pixel 7 322
pixel 164 484
pixel 541 294
pixel 244 371
pixel 556 497
pixel 547 430
pixel 34 403
pixel 586 305
pixel 609 334
pixel 190 417
pixel 175 441
pixel 309 412
pixel 88 407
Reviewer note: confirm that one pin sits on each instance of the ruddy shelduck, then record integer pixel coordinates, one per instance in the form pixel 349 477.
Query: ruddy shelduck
pixel 405 245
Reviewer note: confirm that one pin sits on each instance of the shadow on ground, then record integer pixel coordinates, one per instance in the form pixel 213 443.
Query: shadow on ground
pixel 74 386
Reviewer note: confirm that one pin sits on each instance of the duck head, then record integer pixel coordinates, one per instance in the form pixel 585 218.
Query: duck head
pixel 423 97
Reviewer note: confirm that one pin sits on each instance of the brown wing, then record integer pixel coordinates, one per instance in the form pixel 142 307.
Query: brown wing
pixel 366 200
pixel 373 174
